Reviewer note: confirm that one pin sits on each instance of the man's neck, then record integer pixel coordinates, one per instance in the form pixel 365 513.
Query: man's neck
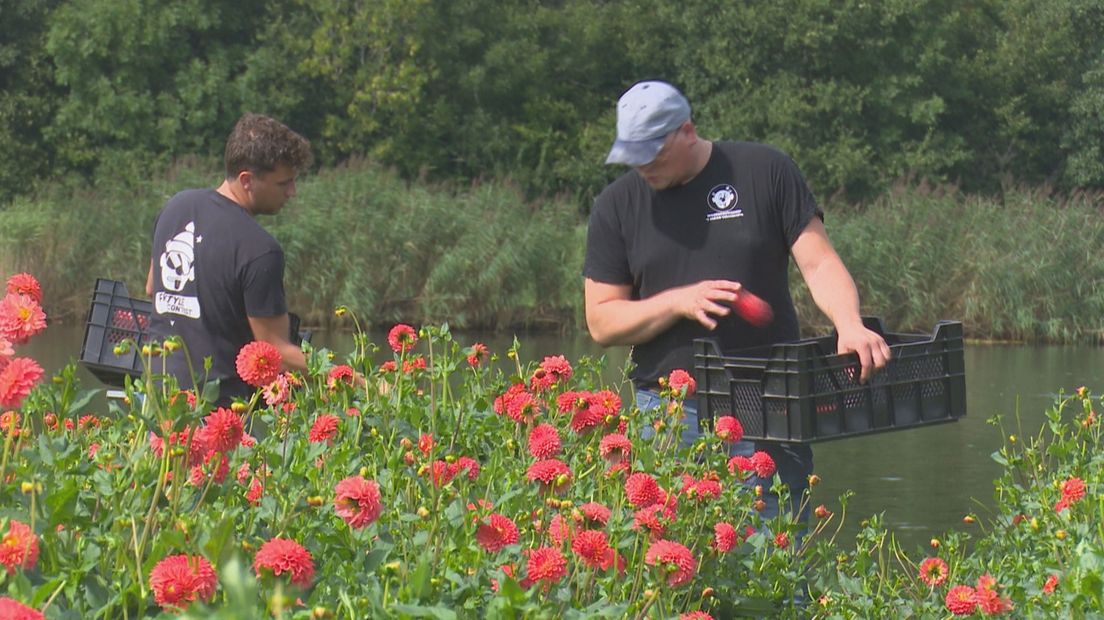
pixel 235 193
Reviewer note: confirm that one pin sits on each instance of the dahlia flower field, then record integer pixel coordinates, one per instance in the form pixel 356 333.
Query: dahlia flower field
pixel 428 478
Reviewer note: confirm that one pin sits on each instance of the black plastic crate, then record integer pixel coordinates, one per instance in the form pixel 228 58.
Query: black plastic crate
pixel 114 317
pixel 803 391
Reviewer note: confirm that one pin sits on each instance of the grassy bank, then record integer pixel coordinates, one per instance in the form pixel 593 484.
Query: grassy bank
pixel 1022 266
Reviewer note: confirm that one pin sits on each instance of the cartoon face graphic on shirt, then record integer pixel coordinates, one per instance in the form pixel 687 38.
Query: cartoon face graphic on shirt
pixel 178 260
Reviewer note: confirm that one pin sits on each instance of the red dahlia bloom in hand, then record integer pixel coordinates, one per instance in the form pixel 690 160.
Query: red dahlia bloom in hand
pixel 552 474
pixel 933 571
pixel 357 501
pixel 544 441
pixel 19 547
pixel 324 428
pixel 674 558
pixel 679 379
pixel 753 309
pixel 17 379
pixel 11 609
pixel 281 555
pixel 259 363
pixel 729 429
pixel 546 564
pixel 223 430
pixel 642 490
pixel 496 532
pixel 20 318
pixel 25 284
pixel 402 338
pixel 960 601
pixel 180 580
pixel 593 547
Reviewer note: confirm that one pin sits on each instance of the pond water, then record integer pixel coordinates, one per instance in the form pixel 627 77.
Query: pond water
pixel 924 480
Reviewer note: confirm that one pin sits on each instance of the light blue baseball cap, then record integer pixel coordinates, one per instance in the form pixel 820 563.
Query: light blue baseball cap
pixel 646 113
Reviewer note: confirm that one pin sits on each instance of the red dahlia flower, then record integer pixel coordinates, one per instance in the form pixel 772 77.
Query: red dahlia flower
pixel 477 354
pixel 763 464
pixel 606 402
pixel 615 448
pixel 695 615
pixel 17 379
pixel 18 547
pixel 20 318
pixel 933 571
pixel 259 363
pixel 560 530
pixel 546 564
pixel 724 537
pixel 595 513
pixel 464 463
pixel 1051 584
pixel 674 558
pixel 729 429
pixel 179 580
pixel 641 489
pixel 11 609
pixel 553 475
pixel 281 555
pixel 571 402
pixel 340 374
pixel 324 428
pixel 988 601
pixel 680 379
pixel 1073 490
pixel 25 284
pixel 593 547
pixel 223 430
pixel 497 532
pixel 544 441
pixel 402 338
pixel 960 601
pixel 357 501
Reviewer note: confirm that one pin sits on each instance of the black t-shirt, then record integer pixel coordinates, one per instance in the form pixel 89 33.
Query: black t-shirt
pixel 213 268
pixel 736 220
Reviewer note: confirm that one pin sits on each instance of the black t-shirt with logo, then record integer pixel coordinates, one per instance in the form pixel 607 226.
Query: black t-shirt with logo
pixel 213 268
pixel 736 220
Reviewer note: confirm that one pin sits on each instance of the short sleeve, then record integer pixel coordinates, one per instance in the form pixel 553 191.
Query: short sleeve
pixel 263 285
pixel 606 259
pixel 796 204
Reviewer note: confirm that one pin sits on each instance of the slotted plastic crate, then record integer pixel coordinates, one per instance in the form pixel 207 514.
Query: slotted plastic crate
pixel 114 317
pixel 804 392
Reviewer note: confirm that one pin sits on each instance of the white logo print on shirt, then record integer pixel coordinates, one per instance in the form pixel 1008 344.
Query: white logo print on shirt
pixel 177 270
pixel 722 200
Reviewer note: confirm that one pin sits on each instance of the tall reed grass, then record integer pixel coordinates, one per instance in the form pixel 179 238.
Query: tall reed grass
pixel 1022 266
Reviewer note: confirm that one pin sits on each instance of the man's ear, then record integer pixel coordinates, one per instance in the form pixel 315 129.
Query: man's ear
pixel 245 180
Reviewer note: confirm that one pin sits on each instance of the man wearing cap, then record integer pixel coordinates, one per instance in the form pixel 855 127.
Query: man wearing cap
pixel 674 242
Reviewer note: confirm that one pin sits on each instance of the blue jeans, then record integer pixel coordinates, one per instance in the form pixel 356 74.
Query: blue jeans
pixel 794 462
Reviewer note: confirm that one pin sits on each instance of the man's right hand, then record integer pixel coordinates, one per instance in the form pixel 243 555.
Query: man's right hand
pixel 615 318
pixel 705 300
